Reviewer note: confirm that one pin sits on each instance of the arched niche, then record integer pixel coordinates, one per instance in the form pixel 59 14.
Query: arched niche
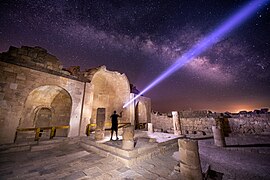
pixel 45 106
pixel 140 114
pixel 110 91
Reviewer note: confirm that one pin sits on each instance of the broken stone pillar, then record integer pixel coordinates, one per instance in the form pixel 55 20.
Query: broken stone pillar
pixel 176 123
pixel 100 128
pixel 190 165
pixel 150 127
pixel 128 138
pixel 219 138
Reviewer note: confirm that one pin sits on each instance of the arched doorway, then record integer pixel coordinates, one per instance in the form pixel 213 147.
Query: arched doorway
pixel 47 106
pixel 140 114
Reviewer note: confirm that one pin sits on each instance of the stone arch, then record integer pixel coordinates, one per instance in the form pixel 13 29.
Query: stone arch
pixel 140 114
pixel 47 105
pixel 110 91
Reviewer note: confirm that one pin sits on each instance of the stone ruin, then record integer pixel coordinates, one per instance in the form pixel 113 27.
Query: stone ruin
pixel 201 122
pixel 40 98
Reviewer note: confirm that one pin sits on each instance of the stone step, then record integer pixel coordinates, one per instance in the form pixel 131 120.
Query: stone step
pixel 102 152
pixel 44 147
pixel 14 148
pixel 31 145
pixel 129 157
pixel 53 143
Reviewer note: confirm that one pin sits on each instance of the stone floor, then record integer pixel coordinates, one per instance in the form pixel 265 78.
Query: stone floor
pixel 244 158
pixel 69 161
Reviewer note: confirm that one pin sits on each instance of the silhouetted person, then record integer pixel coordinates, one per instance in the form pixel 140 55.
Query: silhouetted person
pixel 114 118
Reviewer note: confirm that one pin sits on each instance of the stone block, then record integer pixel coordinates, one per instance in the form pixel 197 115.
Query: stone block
pixel 128 144
pixel 22 51
pixel 9 69
pixel 42 54
pixel 150 127
pixel 75 175
pixel 49 63
pixel 2 86
pixel 3 103
pixel 21 77
pixel 13 51
pixel 26 58
pixel 50 67
pixel 32 54
pixel 13 86
pixel 50 59
pixel 128 133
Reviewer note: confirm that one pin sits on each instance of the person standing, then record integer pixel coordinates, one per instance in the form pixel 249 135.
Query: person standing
pixel 114 118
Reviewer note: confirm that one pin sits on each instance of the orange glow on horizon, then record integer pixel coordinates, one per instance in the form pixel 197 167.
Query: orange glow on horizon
pixel 243 107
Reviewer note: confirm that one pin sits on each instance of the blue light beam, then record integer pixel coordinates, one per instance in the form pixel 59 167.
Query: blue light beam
pixel 230 24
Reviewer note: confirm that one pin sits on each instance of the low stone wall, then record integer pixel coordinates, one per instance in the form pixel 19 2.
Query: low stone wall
pixel 257 124
pixel 162 122
pixel 252 124
pixel 197 125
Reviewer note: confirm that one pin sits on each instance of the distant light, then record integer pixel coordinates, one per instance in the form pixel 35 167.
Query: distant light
pixel 230 24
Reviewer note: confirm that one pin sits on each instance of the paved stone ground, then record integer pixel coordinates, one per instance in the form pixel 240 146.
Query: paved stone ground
pixel 245 157
pixel 70 161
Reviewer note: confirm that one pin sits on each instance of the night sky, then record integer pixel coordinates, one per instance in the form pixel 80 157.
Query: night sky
pixel 143 38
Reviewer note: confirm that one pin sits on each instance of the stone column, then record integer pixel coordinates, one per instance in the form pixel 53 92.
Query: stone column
pixel 219 138
pixel 99 134
pixel 176 123
pixel 190 165
pixel 100 128
pixel 128 138
pixel 150 128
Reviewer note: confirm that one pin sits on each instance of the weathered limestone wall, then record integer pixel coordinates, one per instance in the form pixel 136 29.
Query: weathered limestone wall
pixel 253 124
pixel 110 91
pixel 17 83
pixel 195 125
pixel 35 58
pixel 162 122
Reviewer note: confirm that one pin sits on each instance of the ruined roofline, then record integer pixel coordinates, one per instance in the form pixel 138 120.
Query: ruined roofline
pixel 37 58
pixel 92 71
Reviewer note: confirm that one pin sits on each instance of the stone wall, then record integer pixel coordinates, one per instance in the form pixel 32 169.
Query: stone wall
pixel 253 124
pixel 33 74
pixel 162 122
pixel 197 125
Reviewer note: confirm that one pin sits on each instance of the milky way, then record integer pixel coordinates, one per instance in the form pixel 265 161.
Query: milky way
pixel 143 38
